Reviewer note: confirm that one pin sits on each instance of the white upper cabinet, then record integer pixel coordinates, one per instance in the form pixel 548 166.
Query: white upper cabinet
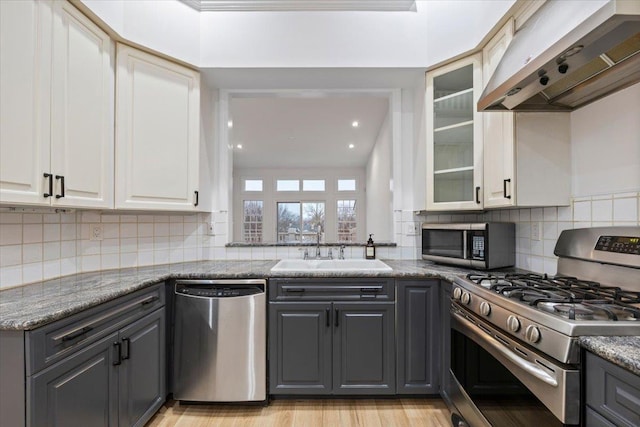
pixel 82 113
pixel 56 137
pixel 25 85
pixel 499 179
pixel 526 156
pixel 157 133
pixel 454 136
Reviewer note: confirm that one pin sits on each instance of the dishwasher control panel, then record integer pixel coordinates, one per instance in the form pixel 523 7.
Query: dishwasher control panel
pixel 217 291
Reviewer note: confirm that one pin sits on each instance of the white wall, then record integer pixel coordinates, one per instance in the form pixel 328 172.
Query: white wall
pixel 378 191
pixel 605 144
pixel 169 27
pixel 303 39
pixel 454 27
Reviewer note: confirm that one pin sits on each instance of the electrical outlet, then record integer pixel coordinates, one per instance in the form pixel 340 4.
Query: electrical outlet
pixel 96 232
pixel 411 228
pixel 536 227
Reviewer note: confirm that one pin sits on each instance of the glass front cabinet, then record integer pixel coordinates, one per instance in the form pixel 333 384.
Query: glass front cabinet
pixel 454 136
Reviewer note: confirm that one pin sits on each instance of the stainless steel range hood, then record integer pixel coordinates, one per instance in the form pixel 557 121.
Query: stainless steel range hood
pixel 568 54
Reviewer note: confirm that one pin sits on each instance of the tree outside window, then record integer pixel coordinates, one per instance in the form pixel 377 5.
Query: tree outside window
pixel 347 220
pixel 252 223
pixel 299 221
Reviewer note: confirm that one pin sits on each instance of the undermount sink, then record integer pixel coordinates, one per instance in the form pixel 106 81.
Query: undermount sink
pixel 311 265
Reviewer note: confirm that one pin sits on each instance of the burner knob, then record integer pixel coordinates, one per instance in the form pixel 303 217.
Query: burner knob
pixel 532 334
pixel 457 293
pixel 485 308
pixel 513 323
pixel 465 298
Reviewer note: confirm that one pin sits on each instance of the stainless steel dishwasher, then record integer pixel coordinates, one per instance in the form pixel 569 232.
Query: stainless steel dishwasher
pixel 220 340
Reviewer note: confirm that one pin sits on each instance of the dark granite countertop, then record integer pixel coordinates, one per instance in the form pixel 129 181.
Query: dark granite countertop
pixel 621 351
pixel 30 306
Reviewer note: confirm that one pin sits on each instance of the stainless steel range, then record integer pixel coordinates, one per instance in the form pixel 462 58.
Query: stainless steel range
pixel 515 357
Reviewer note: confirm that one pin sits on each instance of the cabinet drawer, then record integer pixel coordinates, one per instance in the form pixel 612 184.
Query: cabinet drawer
pixel 331 290
pixel 51 343
pixel 613 392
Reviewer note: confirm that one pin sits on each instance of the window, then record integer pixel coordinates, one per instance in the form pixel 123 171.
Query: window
pixel 313 185
pixel 253 221
pixel 347 221
pixel 299 221
pixel 288 185
pixel 252 185
pixel 346 185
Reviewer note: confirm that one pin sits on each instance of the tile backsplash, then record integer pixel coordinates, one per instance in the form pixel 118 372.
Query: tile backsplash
pixel 39 246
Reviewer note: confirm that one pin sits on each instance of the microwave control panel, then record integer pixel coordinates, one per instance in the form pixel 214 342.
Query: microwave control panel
pixel 477 247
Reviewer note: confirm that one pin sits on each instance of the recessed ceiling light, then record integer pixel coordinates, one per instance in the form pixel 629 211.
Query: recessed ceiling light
pixel 230 123
pixel 355 124
pixel 352 146
pixel 239 146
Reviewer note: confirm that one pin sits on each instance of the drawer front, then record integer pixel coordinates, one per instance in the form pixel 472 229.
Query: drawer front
pixel 331 289
pixel 51 343
pixel 594 419
pixel 613 392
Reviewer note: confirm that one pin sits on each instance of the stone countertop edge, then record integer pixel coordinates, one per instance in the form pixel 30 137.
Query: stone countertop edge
pixel 623 351
pixel 33 305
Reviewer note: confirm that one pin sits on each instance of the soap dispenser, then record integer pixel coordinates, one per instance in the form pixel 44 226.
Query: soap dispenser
pixel 370 249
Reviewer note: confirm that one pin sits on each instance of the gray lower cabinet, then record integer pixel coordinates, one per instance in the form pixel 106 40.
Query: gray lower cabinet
pixel 612 394
pixel 300 337
pixel 104 366
pixel 141 373
pixel 363 348
pixel 418 348
pixel 331 346
pixel 82 390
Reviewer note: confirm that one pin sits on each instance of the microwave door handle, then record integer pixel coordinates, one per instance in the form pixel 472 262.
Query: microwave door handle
pixel 464 245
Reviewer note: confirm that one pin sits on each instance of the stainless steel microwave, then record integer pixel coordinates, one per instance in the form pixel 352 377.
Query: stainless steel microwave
pixel 482 246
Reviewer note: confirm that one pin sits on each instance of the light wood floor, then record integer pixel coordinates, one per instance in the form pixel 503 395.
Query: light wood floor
pixel 308 413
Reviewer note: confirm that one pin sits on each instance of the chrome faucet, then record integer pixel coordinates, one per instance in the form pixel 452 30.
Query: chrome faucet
pixel 341 256
pixel 318 255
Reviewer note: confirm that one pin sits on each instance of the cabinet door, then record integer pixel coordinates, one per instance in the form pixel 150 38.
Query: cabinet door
pixel 25 82
pixel 499 133
pixel 364 348
pixel 142 380
pixel 454 136
pixel 82 110
pixel 418 337
pixel 157 132
pixel 300 348
pixel 79 391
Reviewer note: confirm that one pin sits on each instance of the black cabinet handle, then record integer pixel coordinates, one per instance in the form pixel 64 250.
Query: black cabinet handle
pixel 294 290
pixel 370 290
pixel 149 301
pixel 76 334
pixel 197 202
pixel 126 345
pixel 327 313
pixel 61 178
pixel 504 188
pixel 337 317
pixel 478 195
pixel 117 348
pixel 50 193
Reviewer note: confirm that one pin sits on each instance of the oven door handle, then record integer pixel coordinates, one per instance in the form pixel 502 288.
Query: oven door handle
pixel 512 357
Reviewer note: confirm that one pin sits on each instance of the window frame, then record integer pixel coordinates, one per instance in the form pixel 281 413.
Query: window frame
pixel 271 198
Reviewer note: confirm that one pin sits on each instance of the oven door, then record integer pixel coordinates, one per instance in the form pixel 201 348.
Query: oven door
pixel 496 381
